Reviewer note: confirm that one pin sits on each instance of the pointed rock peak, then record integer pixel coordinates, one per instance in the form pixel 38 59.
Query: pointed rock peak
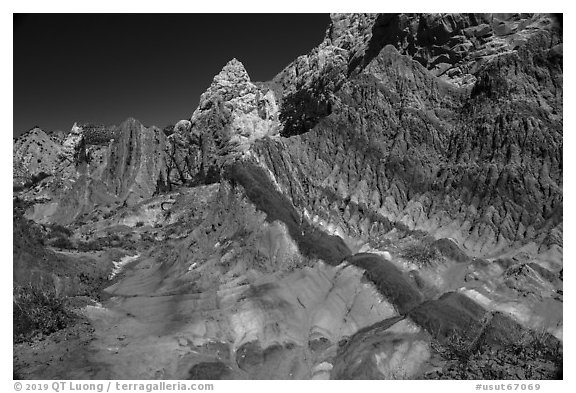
pixel 32 130
pixel 76 129
pixel 233 71
pixel 232 82
pixel 129 127
pixel 36 130
pixel 130 123
pixel 34 133
pixel 73 141
pixel 234 63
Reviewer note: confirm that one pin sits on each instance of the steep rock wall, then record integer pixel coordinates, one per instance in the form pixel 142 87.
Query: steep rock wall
pixel 481 163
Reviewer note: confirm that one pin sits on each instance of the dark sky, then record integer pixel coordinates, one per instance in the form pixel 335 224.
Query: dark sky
pixel 103 68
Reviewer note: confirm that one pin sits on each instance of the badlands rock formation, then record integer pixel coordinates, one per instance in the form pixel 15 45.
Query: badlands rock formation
pixel 102 167
pixel 479 164
pixel 388 206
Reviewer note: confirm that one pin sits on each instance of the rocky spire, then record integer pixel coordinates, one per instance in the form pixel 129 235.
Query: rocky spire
pixel 232 87
pixel 232 72
pixel 73 142
pixel 230 83
pixel 232 114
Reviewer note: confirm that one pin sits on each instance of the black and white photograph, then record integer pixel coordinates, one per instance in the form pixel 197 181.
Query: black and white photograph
pixel 287 196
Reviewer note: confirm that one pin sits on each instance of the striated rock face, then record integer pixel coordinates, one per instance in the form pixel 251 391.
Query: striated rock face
pixel 452 46
pixel 481 164
pixel 135 164
pixel 92 168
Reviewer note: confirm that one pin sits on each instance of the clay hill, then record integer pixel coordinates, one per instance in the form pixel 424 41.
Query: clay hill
pixel 388 206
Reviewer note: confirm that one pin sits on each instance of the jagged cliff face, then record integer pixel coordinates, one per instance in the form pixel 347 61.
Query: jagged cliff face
pixel 478 162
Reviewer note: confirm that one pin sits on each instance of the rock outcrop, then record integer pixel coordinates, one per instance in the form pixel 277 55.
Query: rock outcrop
pixel 135 164
pixel 232 114
pixel 479 163
pixel 96 166
pixel 35 155
pixel 74 145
